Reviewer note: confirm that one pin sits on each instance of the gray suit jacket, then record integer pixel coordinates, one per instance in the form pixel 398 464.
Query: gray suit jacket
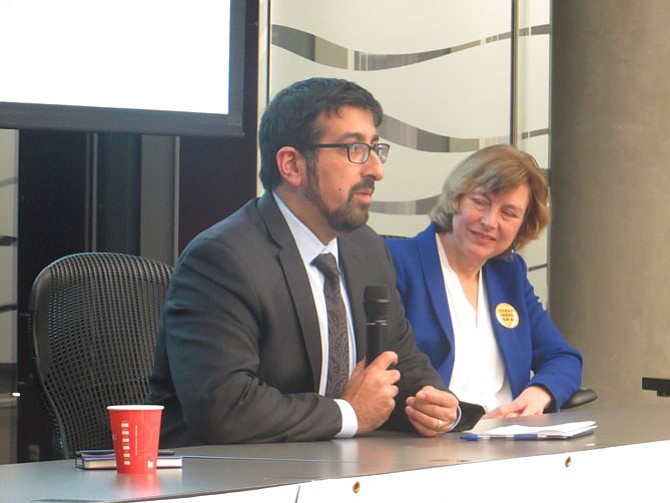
pixel 238 356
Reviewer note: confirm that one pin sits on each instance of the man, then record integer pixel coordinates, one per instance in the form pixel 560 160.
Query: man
pixel 243 351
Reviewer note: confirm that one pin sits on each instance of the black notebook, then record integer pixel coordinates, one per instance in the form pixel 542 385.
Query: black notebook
pixel 106 460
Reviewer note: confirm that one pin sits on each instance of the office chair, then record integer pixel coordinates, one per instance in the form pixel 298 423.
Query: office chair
pixel 94 318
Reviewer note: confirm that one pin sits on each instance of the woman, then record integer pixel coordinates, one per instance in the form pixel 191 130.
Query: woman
pixel 467 294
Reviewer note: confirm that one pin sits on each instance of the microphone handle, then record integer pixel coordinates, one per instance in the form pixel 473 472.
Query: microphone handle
pixel 375 339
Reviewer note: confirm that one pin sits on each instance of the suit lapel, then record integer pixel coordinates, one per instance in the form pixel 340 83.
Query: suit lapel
pixel 296 279
pixel 351 260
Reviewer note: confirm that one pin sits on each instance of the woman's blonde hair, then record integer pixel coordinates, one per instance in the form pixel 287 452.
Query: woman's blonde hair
pixel 496 169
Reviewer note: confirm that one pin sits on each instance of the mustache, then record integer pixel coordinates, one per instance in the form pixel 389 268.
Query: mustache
pixel 366 183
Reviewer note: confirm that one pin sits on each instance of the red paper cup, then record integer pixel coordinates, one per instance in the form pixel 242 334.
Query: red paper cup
pixel 135 432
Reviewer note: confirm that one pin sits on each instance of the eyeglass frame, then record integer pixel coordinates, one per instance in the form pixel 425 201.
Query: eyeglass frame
pixel 374 147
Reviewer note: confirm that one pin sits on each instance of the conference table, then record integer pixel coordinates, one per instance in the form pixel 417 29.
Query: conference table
pixel 626 457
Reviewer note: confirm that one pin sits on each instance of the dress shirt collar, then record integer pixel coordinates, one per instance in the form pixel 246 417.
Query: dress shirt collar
pixel 309 246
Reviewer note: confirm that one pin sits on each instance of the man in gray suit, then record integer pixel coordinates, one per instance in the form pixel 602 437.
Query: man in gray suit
pixel 242 352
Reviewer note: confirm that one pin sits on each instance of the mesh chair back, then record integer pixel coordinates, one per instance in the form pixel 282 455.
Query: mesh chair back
pixel 94 319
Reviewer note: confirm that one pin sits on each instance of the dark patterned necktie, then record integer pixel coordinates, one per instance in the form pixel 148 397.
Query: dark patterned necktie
pixel 338 337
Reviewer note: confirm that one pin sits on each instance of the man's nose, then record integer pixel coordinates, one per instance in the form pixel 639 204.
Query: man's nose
pixel 373 167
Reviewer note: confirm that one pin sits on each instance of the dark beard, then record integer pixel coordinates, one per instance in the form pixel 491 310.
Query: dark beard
pixel 347 217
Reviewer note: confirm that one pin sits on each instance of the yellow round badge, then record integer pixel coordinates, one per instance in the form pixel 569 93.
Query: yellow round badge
pixel 507 315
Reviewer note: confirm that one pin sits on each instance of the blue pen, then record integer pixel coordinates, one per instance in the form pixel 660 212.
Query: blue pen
pixel 472 437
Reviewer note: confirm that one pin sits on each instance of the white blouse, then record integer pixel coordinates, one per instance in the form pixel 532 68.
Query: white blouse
pixel 479 373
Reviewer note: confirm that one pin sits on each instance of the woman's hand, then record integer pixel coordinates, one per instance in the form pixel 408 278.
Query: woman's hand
pixel 531 402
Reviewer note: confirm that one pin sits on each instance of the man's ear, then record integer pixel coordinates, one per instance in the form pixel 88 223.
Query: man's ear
pixel 291 165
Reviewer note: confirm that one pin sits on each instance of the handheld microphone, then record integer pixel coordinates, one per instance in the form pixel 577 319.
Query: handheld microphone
pixel 376 300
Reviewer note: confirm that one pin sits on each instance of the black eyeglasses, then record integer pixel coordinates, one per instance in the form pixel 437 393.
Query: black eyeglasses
pixel 357 152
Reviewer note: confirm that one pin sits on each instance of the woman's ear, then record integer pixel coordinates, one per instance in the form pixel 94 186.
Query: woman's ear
pixel 290 163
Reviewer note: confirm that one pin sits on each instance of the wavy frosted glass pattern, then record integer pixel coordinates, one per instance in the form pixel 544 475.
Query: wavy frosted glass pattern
pixel 309 46
pixel 533 64
pixel 440 68
pixel 325 52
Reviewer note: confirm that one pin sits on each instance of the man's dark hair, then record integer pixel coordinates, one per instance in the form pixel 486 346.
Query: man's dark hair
pixel 290 117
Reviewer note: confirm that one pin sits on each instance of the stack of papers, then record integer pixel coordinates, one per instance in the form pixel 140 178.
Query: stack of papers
pixel 519 432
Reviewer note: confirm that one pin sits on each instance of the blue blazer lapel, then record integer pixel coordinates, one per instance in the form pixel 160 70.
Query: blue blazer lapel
pixel 506 337
pixel 432 274
pixel 296 280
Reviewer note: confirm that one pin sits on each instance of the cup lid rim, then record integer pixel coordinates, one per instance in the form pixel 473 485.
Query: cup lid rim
pixel 135 407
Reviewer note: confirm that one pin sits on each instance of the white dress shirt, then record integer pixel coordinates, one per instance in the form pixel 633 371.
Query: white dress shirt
pixel 309 246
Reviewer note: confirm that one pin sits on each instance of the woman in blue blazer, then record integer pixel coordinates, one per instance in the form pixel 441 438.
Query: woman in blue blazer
pixel 467 295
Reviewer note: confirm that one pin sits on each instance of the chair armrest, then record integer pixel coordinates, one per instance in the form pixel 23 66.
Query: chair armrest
pixel 581 397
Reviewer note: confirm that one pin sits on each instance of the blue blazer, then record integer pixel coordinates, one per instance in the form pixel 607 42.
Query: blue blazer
pixel 535 344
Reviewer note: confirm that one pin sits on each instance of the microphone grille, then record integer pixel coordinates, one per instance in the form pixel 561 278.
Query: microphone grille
pixel 376 299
